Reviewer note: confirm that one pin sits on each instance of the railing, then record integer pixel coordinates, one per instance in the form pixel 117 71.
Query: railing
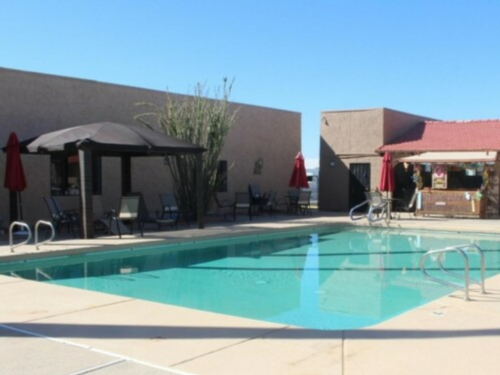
pixel 28 229
pixel 11 234
pixel 53 233
pixel 463 250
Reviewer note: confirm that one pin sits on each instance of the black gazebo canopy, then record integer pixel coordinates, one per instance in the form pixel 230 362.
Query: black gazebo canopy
pixel 112 139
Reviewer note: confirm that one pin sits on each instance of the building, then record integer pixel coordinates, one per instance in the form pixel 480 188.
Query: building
pixel 349 164
pixel 260 147
pixel 456 161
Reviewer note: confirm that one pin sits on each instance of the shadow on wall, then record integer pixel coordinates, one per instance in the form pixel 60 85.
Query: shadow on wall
pixel 333 191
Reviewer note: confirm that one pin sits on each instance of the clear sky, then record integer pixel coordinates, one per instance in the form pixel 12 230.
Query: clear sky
pixel 436 58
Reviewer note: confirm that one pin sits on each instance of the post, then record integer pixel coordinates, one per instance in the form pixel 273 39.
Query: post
pixel 126 167
pixel 13 207
pixel 199 190
pixel 86 209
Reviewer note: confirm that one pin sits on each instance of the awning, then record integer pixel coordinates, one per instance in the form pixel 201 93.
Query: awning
pixel 451 157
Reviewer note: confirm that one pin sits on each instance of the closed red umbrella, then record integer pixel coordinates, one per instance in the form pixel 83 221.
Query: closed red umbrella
pixel 299 175
pixel 387 176
pixel 15 180
pixel 387 183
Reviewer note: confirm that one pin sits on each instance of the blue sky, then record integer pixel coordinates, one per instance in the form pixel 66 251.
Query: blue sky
pixel 437 58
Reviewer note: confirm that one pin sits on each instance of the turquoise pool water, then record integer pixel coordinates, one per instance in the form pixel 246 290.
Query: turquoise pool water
pixel 320 278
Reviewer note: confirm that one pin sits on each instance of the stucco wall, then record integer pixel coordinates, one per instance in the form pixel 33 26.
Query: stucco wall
pixel 396 123
pixel 349 137
pixel 346 137
pixel 32 104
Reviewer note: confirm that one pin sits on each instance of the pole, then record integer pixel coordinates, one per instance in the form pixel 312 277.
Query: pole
pixel 20 206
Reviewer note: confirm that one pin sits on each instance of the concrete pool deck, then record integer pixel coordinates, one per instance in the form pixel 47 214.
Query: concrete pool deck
pixel 48 329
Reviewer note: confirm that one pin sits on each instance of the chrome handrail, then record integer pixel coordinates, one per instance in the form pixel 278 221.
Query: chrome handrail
pixel 37 245
pixel 462 250
pixel 11 234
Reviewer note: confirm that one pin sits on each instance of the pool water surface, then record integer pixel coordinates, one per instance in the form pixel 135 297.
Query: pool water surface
pixel 343 278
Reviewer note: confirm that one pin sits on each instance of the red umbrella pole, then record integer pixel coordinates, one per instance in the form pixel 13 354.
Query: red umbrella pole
pixel 15 181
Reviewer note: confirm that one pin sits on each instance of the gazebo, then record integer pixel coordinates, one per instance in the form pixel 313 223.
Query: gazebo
pixel 113 139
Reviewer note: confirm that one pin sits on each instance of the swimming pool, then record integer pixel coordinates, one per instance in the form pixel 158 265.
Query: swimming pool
pixel 322 278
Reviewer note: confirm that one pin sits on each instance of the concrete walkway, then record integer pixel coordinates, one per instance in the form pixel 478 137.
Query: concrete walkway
pixel 48 329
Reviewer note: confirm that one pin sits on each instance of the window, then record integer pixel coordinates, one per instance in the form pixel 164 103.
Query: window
pixel 65 178
pixel 222 176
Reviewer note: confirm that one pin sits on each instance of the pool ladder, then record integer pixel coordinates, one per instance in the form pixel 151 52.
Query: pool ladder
pixel 28 233
pixel 464 251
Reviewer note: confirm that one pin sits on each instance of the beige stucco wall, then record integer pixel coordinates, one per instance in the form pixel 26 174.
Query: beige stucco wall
pixel 352 137
pixel 32 104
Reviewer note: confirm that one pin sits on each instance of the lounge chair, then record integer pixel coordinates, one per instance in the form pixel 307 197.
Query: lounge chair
pixel 242 202
pixel 60 216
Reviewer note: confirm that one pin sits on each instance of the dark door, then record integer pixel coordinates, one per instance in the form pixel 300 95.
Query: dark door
pixel 359 182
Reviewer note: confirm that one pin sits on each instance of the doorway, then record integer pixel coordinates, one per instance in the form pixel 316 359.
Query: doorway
pixel 359 183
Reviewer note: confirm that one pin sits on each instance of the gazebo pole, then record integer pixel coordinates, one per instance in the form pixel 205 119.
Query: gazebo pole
pixel 86 208
pixel 126 167
pixel 199 190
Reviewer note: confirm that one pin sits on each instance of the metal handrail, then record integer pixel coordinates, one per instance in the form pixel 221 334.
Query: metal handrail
pixel 462 250
pixel 48 223
pixel 11 234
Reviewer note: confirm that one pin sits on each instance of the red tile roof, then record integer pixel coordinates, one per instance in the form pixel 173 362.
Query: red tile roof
pixel 475 135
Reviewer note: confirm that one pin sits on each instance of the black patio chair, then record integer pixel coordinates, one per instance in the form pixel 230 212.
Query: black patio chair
pixel 270 204
pixel 242 202
pixel 407 204
pixel 61 217
pixel 171 210
pixel 257 199
pixel 291 200
pixel 304 203
pixel 223 207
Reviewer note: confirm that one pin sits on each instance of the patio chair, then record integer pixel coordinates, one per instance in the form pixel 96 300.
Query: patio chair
pixel 257 199
pixel 224 207
pixel 100 218
pixel 377 206
pixel 242 202
pixel 407 205
pixel 304 202
pixel 60 216
pixel 270 204
pixel 129 213
pixel 291 200
pixel 146 216
pixel 170 209
pixel 102 222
